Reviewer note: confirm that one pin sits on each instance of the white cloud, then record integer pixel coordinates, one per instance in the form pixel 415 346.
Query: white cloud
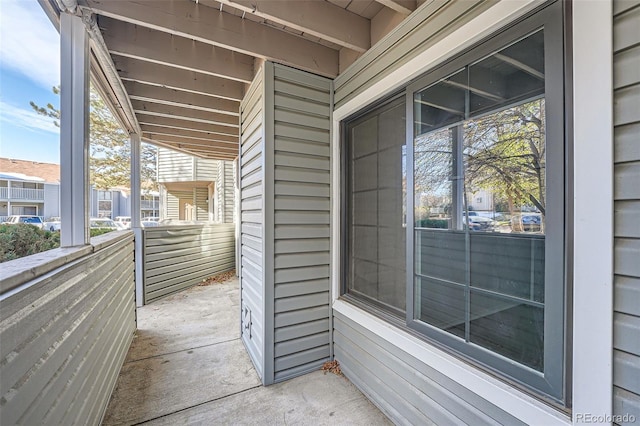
pixel 27 119
pixel 29 43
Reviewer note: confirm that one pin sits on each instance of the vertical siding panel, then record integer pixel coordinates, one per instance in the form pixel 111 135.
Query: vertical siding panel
pixel 301 247
pixel 626 331
pixel 251 222
pixel 67 363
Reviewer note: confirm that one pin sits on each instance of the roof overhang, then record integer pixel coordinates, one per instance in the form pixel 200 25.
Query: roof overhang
pixel 175 71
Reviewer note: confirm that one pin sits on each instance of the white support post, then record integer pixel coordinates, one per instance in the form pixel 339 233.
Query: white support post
pixel 135 216
pixel 74 131
pixel 593 227
pixel 9 198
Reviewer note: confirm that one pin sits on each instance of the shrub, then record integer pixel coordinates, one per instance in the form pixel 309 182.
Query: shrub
pixel 94 232
pixel 433 223
pixel 22 240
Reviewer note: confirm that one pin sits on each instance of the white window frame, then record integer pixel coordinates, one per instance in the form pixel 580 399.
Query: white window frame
pixel 592 328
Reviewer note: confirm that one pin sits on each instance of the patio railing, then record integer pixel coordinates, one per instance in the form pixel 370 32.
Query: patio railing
pixel 67 317
pixel 180 256
pixel 21 193
pixel 148 204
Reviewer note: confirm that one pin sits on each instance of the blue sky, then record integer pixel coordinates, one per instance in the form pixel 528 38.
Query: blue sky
pixel 29 68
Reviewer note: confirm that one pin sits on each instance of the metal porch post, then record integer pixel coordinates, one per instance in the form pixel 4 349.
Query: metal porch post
pixel 135 216
pixel 74 131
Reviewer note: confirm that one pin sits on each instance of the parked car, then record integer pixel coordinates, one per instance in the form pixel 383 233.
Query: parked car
pixel 29 219
pixel 149 223
pixel 102 223
pixel 151 219
pixel 121 226
pixel 526 222
pixel 124 220
pixel 53 224
pixel 477 222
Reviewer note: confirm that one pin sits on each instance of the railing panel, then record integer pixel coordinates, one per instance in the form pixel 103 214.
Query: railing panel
pixel 181 256
pixel 4 192
pixel 65 332
pixel 27 194
pixel 147 204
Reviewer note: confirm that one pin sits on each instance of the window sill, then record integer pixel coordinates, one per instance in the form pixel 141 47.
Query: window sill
pixel 508 398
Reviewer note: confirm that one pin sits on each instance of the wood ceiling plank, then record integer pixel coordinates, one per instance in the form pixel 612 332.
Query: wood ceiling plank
pixel 209 25
pixel 135 41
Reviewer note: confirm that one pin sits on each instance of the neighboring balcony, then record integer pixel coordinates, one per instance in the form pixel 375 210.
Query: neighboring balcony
pixel 31 194
pixel 149 205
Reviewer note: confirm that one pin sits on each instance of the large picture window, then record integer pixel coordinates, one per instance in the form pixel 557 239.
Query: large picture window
pixel 484 216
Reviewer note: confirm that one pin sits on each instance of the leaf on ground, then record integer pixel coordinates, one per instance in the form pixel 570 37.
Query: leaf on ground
pixel 218 278
pixel 332 367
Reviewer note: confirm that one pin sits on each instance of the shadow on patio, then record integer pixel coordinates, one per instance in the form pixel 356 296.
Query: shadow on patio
pixel 187 365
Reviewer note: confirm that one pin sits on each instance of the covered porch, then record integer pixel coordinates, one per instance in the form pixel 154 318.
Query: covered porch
pixel 187 365
pixel 275 86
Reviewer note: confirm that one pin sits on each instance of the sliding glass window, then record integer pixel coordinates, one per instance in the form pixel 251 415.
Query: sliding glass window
pixel 484 220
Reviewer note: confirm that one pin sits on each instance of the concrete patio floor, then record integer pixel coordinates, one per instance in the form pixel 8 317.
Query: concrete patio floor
pixel 187 365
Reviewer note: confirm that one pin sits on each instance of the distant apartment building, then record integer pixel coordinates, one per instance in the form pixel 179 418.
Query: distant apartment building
pixel 29 188
pixel 112 203
pixel 193 188
pixel 33 188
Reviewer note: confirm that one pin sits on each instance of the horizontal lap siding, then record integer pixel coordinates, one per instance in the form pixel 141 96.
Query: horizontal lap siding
pixel 173 202
pixel 251 222
pixel 225 192
pixel 429 24
pixel 229 192
pixel 301 146
pixel 64 339
pixel 174 166
pixel 178 257
pixel 201 204
pixel 405 388
pixel 206 170
pixel 626 342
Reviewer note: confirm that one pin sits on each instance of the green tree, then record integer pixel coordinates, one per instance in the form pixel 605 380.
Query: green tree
pixel 110 149
pixel 505 154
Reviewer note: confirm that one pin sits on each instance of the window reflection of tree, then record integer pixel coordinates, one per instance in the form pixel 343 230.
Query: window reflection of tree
pixel 505 153
pixel 433 172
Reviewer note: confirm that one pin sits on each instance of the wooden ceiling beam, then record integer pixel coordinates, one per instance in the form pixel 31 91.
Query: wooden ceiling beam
pixel 191 134
pixel 176 78
pixel 193 144
pixel 210 155
pixel 134 41
pixel 318 18
pixel 208 25
pixel 406 7
pixel 177 123
pixel 179 98
pixel 169 111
